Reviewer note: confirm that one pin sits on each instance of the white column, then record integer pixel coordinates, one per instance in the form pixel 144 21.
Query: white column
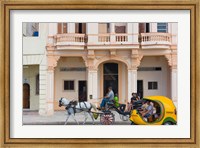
pixel 132 82
pixel 174 85
pixel 50 92
pixel 112 32
pixel 51 32
pixel 135 32
pixel 70 27
pixel 174 32
pixel 92 85
pixel 53 28
pixel 43 80
pixel 92 30
pixel 153 27
pixel 130 32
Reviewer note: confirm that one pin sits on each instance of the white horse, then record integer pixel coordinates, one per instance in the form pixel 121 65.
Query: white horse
pixel 73 108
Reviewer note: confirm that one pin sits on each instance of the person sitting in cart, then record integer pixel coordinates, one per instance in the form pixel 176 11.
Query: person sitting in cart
pixel 116 100
pixel 148 112
pixel 134 99
pixel 117 104
pixel 107 98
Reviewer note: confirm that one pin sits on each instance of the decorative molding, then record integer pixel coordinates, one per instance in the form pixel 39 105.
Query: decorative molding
pixel 113 53
pixel 135 59
pixel 172 60
pixel 116 58
pixel 91 54
pixel 50 68
pixel 52 61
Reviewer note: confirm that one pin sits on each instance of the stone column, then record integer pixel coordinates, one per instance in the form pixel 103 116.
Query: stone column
pixel 132 82
pixel 51 32
pixel 52 63
pixel 153 27
pixel 130 32
pixel 70 27
pixel 174 84
pixel 132 72
pixel 112 32
pixel 172 61
pixel 50 91
pixel 52 28
pixel 135 32
pixel 92 30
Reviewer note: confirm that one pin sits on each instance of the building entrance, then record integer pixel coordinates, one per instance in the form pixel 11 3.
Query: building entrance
pixel 26 96
pixel 110 73
pixel 140 88
pixel 82 91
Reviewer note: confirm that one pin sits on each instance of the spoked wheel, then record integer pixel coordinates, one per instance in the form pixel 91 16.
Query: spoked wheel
pixel 107 118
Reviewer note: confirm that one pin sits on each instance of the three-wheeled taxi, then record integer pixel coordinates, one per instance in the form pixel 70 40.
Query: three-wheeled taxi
pixel 164 112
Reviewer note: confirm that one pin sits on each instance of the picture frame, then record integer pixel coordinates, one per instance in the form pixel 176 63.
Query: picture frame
pixel 7 6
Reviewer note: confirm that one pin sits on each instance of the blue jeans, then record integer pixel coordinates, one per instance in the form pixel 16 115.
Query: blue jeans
pixel 103 102
pixel 147 115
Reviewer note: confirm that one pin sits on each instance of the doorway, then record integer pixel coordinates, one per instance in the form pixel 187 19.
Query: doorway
pixel 110 76
pixel 80 28
pixel 144 27
pixel 140 88
pixel 26 96
pixel 82 91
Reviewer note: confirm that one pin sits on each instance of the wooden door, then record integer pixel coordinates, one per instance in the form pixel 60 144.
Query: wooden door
pixel 26 95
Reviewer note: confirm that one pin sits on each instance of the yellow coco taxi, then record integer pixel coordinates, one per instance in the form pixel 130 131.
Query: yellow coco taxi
pixel 164 112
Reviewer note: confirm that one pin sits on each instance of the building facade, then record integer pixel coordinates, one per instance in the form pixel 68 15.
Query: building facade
pixel 80 61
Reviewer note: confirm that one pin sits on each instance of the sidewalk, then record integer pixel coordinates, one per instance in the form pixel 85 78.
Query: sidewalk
pixel 59 117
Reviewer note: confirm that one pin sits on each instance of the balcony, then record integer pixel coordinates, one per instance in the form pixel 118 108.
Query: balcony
pixel 113 38
pixel 156 40
pixel 112 41
pixel 70 39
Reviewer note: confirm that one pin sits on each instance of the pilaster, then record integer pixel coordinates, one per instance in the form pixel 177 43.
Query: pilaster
pixel 172 62
pixel 52 63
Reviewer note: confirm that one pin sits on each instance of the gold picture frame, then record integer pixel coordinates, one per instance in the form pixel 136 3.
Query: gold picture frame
pixel 7 5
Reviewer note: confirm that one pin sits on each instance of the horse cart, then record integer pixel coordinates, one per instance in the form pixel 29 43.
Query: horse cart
pixel 107 117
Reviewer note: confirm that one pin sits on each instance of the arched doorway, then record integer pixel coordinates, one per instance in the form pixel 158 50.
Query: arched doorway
pixel 110 76
pixel 26 96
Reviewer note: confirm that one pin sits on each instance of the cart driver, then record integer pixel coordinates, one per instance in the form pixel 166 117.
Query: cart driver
pixel 108 98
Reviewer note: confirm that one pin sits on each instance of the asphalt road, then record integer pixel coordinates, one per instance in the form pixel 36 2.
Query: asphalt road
pixel 59 117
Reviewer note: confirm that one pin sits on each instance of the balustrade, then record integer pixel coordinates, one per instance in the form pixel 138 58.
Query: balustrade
pixel 149 37
pixel 70 37
pixel 121 38
pixel 104 37
pixel 146 38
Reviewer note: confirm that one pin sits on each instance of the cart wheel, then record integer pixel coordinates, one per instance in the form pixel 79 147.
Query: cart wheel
pixel 107 118
pixel 167 123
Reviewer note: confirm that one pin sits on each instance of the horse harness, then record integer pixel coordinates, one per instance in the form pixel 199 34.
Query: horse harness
pixel 72 105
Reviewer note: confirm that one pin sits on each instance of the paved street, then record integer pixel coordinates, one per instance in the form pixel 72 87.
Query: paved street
pixel 59 117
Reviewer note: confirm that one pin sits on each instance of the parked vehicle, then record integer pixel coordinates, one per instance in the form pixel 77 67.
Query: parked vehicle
pixel 164 112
